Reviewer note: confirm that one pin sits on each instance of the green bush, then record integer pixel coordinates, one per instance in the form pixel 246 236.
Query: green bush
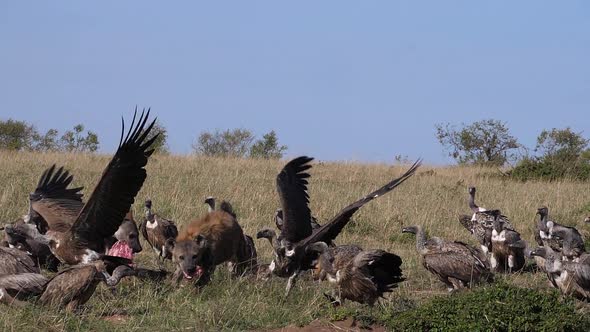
pixel 551 169
pixel 498 307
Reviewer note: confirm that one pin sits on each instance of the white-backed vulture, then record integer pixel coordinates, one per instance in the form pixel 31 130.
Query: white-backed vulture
pixel 508 252
pixel 17 236
pixel 361 276
pixel 485 217
pixel 571 278
pixel 550 233
pixel 157 230
pixel 456 264
pixel 291 255
pixel 84 240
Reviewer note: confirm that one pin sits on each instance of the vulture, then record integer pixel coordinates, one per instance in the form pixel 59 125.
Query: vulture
pixel 361 276
pixel 15 261
pixel 456 264
pixel 297 234
pixel 72 287
pixel 83 238
pixel 484 217
pixel 481 233
pixel 15 288
pixel 18 236
pixel 157 230
pixel 570 277
pixel 552 234
pixel 508 249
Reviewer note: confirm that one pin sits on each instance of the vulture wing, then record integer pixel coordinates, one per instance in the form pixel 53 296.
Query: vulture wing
pixel 24 284
pixel 455 265
pixel 292 189
pixel 582 272
pixel 14 261
pixel 120 182
pixel 57 206
pixel 329 231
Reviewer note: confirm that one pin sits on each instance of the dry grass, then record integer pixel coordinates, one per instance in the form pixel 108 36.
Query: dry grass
pixel 178 185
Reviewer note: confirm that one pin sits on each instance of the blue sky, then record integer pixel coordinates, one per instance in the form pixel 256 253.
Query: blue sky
pixel 338 80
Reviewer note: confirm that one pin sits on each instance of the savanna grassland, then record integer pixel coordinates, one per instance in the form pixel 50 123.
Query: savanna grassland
pixel 434 198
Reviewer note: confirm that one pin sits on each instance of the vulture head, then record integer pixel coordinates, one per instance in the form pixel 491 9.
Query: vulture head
pixel 543 212
pixel 587 220
pixel 552 258
pixel 472 191
pixel 411 229
pixel 148 208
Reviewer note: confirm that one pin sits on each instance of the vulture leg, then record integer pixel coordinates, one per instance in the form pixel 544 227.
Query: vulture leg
pixel 291 282
pixel 334 299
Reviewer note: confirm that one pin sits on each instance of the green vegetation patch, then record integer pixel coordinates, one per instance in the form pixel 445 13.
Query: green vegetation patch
pixel 499 307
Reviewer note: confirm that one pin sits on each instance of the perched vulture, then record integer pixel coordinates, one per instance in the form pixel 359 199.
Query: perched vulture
pixel 508 249
pixel 360 275
pixel 552 234
pixel 291 254
pixel 85 239
pixel 456 264
pixel 484 217
pixel 157 230
pixel 570 277
pixel 18 236
pixel 72 287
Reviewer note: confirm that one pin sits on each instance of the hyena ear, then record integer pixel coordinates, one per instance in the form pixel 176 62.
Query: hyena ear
pixel 170 244
pixel 200 240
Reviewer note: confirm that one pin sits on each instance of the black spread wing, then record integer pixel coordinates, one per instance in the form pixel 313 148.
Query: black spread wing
pixel 292 189
pixel 330 230
pixel 120 182
pixel 55 185
pixel 52 200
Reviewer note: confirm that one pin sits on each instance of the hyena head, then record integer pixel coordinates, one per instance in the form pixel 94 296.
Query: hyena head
pixel 192 257
pixel 129 233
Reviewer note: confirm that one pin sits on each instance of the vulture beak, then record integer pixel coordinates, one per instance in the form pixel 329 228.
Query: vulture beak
pixel 408 230
pixel 538 252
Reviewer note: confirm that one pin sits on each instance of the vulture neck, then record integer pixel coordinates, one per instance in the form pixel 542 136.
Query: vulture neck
pixel 472 204
pixel 149 215
pixel 420 240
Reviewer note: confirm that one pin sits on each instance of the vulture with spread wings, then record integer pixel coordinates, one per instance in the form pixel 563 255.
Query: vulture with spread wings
pixel 77 233
pixel 297 234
